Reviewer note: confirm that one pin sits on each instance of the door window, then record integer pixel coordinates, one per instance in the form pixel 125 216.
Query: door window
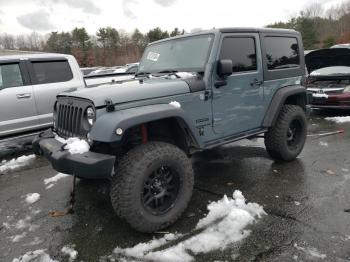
pixel 52 71
pixel 10 76
pixel 242 52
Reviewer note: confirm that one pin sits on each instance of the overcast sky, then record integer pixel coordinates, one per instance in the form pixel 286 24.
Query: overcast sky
pixel 44 16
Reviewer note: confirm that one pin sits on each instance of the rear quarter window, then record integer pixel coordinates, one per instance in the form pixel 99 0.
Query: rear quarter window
pixel 282 52
pixel 52 71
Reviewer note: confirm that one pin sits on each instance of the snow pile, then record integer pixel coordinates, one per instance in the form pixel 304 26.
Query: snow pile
pixel 37 255
pixel 70 251
pixel 339 119
pixel 175 104
pixel 50 182
pixel 32 198
pixel 224 224
pixel 16 163
pixel 74 145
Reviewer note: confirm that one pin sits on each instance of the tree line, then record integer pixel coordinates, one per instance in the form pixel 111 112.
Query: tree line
pixel 108 47
pixel 321 28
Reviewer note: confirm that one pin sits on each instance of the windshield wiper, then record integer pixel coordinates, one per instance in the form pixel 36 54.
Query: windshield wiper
pixel 142 74
pixel 169 72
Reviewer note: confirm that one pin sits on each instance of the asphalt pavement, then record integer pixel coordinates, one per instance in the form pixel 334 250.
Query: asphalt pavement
pixel 307 202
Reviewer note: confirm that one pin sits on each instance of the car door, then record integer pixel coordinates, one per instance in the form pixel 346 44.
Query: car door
pixel 237 105
pixel 51 77
pixel 17 104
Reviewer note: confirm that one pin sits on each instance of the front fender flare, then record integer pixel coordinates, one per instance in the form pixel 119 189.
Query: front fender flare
pixel 106 125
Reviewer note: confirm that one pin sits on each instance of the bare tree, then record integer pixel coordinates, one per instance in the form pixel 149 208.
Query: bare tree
pixel 7 41
pixel 313 10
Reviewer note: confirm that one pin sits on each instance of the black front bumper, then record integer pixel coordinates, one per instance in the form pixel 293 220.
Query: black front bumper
pixel 86 165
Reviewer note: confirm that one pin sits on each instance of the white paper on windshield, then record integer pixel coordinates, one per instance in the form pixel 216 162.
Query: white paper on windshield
pixel 153 56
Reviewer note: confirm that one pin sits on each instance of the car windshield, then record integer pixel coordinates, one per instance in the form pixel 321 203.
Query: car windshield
pixel 187 54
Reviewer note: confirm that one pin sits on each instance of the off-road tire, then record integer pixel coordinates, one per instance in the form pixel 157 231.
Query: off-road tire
pixel 133 169
pixel 276 138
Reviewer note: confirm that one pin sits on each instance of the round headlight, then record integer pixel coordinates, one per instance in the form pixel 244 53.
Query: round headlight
pixel 90 114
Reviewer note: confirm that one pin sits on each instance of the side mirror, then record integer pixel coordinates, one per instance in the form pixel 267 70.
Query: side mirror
pixel 225 67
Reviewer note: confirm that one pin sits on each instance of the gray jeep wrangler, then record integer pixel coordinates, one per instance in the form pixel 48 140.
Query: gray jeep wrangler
pixel 191 93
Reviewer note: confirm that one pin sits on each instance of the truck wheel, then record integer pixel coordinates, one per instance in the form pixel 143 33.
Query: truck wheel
pixel 152 186
pixel 285 140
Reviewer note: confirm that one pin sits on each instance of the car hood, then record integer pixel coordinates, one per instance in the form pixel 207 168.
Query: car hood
pixel 327 58
pixel 132 90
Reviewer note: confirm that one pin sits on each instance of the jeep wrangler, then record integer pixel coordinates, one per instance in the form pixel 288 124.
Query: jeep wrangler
pixel 191 93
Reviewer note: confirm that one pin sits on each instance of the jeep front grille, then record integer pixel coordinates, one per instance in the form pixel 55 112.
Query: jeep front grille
pixel 70 117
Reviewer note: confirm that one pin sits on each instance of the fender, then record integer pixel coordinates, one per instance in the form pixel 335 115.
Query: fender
pixel 106 125
pixel 278 101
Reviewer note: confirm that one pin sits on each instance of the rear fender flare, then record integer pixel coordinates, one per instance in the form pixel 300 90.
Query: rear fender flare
pixel 279 99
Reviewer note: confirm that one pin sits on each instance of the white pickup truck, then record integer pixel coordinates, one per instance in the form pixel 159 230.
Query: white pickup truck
pixel 29 84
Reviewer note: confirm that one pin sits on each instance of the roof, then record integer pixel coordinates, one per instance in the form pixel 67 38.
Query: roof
pixel 30 55
pixel 234 30
pixel 256 30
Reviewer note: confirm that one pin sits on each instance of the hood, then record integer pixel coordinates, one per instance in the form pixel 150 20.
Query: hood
pixel 327 58
pixel 133 90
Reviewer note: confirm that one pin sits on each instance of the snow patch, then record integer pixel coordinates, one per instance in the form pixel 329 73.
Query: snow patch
pixel 17 238
pixel 325 144
pixel 32 198
pixel 74 145
pixel 50 182
pixel 16 163
pixel 21 225
pixel 70 251
pixel 223 225
pixel 310 251
pixel 175 104
pixel 35 242
pixel 339 119
pixel 37 255
pixel 345 170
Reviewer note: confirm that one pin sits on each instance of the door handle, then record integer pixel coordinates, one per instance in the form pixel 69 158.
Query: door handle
pixel 21 96
pixel 256 82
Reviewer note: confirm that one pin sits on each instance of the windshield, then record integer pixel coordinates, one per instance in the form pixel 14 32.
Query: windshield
pixel 187 54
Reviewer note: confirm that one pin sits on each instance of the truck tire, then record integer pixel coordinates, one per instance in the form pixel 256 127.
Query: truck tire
pixel 152 186
pixel 285 140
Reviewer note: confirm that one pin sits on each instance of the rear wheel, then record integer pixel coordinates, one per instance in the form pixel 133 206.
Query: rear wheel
pixel 152 186
pixel 286 139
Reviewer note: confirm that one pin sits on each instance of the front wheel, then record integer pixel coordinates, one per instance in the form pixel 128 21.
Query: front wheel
pixel 152 186
pixel 285 140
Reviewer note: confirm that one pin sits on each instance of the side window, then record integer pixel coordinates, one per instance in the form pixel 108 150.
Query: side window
pixel 242 52
pixel 282 52
pixel 52 71
pixel 10 76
